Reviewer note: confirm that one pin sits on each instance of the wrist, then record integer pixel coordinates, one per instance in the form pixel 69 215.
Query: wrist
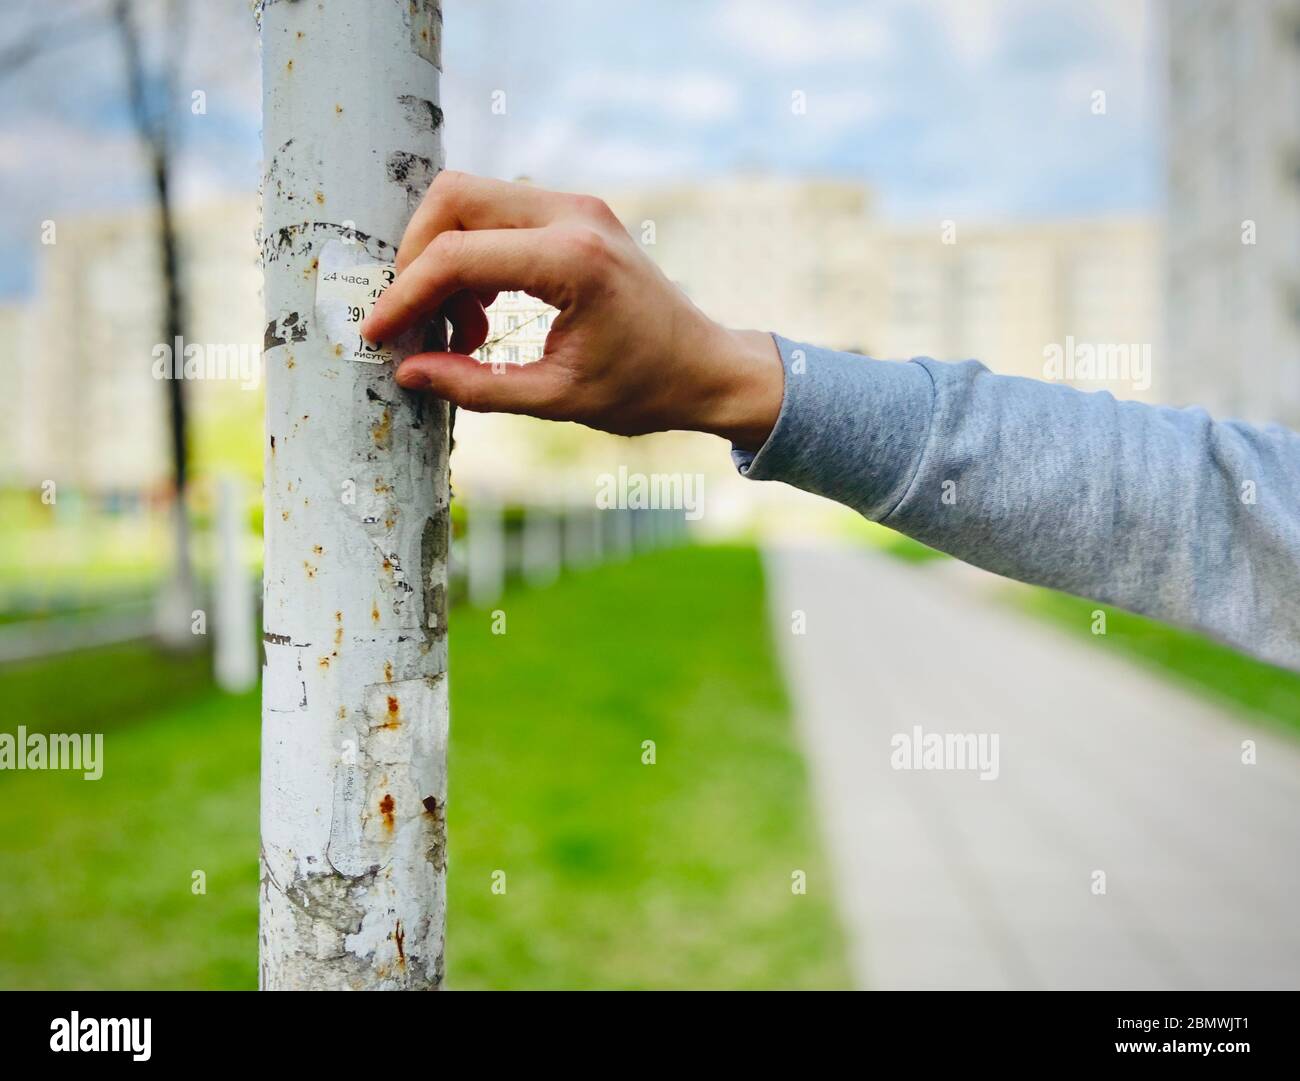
pixel 750 388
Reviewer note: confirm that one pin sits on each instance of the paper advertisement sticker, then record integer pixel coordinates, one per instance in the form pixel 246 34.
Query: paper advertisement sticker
pixel 347 287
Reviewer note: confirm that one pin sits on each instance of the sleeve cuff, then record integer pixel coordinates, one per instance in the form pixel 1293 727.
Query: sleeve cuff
pixel 850 428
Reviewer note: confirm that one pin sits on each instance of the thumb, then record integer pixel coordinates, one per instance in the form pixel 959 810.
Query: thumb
pixel 483 388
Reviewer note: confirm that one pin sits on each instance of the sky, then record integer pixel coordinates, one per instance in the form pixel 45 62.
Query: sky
pixel 947 108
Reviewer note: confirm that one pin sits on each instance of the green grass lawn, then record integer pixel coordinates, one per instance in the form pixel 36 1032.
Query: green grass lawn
pixel 101 689
pixel 618 874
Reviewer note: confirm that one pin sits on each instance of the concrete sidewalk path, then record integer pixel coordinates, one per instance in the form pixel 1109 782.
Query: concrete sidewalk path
pixel 947 881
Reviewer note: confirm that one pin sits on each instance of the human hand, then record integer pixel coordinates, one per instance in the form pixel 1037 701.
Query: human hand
pixel 627 353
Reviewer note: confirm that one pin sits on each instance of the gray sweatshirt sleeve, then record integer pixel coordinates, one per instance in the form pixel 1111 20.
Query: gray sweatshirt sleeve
pixel 1161 511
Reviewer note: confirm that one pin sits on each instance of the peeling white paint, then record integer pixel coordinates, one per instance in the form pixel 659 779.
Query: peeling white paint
pixel 426 30
pixel 354 693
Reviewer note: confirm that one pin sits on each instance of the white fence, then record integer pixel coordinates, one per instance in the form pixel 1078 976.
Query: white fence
pixel 538 542
pixel 534 544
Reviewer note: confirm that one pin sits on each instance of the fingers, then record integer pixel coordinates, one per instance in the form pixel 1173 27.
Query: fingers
pixel 541 262
pixel 460 205
pixel 482 262
pixel 463 201
pixel 481 388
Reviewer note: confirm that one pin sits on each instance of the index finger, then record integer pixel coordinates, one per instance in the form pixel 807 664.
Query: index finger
pixel 485 261
pixel 464 201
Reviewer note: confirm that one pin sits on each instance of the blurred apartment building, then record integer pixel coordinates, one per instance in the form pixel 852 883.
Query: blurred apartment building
pixel 1007 295
pixel 92 416
pixel 1233 247
pixel 13 345
pixel 793 256
pixel 810 260
pixel 518 325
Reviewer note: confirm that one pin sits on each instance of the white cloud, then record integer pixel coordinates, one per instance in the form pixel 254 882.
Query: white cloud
pixel 55 162
pixel 628 160
pixel 790 35
pixel 562 150
pixel 837 110
pixel 686 95
pixel 973 30
pixel 977 31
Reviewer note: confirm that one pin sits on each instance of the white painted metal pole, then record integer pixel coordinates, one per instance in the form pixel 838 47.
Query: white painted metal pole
pixel 354 714
pixel 625 531
pixel 596 523
pixel 542 545
pixel 235 652
pixel 578 542
pixel 485 556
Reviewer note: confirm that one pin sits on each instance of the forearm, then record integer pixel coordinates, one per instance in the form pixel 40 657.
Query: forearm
pixel 1161 511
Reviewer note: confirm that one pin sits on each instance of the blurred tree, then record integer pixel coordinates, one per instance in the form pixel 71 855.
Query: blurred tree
pixel 151 90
